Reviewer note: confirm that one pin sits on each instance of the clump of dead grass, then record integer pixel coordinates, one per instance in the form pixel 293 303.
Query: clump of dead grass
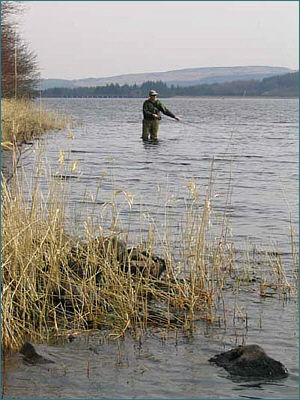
pixel 54 284
pixel 22 120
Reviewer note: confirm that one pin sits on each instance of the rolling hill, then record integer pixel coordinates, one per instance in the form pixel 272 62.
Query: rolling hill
pixel 286 85
pixel 181 77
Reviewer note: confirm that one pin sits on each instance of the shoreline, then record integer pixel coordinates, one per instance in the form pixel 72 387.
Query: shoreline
pixel 173 97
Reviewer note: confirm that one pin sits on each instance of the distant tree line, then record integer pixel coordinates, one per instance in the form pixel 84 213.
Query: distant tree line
pixel 19 68
pixel 286 85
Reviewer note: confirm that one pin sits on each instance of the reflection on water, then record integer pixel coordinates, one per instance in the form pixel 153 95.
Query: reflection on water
pixel 253 147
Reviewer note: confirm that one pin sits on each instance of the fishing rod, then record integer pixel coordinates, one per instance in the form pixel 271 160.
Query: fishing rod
pixel 189 123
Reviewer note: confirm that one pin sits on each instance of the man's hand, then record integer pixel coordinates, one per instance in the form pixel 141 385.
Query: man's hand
pixel 177 118
pixel 155 116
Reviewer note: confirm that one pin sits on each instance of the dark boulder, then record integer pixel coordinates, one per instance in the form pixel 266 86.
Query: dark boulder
pixel 137 261
pixel 250 361
pixel 90 260
pixel 30 356
pixel 141 263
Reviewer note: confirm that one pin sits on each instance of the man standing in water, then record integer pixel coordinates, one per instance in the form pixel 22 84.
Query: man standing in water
pixel 151 111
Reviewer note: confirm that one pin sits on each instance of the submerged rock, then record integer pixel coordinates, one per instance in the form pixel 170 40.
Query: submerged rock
pixel 250 361
pixel 30 356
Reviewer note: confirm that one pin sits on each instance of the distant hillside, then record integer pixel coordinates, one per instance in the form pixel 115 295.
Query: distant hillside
pixel 277 86
pixel 181 77
pixel 284 85
pixel 50 83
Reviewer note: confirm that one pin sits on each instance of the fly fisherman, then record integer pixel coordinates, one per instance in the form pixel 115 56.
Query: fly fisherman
pixel 151 111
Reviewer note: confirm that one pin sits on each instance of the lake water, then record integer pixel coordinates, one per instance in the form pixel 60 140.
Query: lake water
pixel 250 146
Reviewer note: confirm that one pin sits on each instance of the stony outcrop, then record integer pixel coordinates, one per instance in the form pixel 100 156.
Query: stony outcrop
pixel 92 263
pixel 250 361
pixel 30 356
pixel 89 260
pixel 136 261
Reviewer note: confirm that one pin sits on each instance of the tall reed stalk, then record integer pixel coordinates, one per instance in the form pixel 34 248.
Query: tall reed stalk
pixel 53 284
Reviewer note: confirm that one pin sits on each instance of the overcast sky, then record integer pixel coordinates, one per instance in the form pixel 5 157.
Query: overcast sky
pixel 80 39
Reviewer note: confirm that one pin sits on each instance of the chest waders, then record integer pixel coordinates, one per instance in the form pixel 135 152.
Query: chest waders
pixel 150 127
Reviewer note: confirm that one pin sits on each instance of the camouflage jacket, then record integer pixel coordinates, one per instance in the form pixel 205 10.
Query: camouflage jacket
pixel 150 108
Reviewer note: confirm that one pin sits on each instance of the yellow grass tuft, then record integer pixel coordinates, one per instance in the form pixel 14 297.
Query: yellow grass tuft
pixel 22 120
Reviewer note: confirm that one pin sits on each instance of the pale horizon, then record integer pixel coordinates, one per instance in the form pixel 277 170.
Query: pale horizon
pixel 99 39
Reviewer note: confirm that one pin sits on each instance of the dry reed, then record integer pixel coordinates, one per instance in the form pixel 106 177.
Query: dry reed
pixel 54 284
pixel 22 120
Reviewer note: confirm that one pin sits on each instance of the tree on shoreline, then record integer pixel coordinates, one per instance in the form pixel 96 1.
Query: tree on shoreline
pixel 283 85
pixel 19 67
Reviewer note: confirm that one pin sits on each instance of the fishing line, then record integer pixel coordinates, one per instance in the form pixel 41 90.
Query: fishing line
pixel 188 123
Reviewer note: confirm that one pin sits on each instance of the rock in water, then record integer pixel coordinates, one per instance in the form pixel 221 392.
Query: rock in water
pixel 30 356
pixel 250 361
pixel 142 263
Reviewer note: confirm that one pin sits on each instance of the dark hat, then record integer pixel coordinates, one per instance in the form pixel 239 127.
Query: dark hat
pixel 153 93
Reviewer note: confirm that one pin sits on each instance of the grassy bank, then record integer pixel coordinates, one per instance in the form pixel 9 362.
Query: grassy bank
pixel 54 284
pixel 22 120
